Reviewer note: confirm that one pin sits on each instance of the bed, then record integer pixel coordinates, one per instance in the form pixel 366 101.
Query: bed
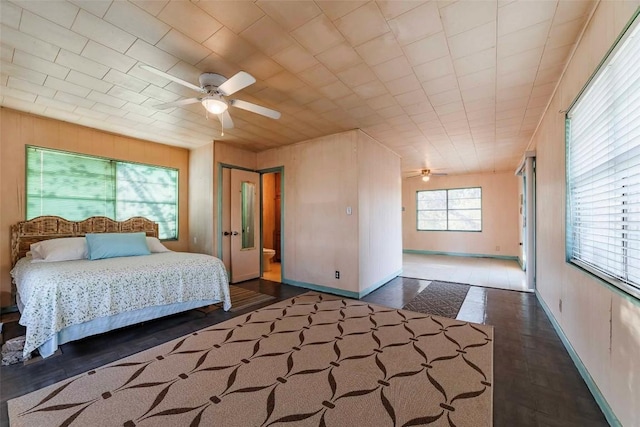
pixel 63 301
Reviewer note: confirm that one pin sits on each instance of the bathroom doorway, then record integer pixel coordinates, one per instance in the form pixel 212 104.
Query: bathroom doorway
pixel 272 259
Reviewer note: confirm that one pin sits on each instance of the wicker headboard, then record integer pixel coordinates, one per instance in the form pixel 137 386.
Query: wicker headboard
pixel 24 233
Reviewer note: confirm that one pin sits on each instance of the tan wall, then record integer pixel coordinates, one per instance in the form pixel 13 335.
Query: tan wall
pixel 201 191
pixel 19 129
pixel 602 325
pixel 500 204
pixel 268 209
pixel 379 210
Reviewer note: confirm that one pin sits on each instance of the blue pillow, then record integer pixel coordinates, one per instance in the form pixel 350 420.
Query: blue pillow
pixel 112 245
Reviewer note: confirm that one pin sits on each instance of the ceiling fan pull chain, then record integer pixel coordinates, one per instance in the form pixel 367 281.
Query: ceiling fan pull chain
pixel 222 125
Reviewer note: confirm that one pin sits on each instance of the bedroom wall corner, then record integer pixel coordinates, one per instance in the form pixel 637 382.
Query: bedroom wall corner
pixel 18 129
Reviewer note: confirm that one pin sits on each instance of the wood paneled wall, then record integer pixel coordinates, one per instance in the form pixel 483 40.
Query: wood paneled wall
pixel 18 129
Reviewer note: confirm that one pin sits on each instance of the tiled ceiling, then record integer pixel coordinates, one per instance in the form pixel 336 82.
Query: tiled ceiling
pixel 455 86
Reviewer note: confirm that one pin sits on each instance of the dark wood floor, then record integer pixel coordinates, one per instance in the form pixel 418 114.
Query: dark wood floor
pixel 536 383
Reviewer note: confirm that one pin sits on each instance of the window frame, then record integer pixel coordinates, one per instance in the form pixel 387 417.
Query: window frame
pixel 115 184
pixel 607 279
pixel 446 190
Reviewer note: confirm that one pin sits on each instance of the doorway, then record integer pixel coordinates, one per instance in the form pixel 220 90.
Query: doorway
pixel 528 210
pixel 272 224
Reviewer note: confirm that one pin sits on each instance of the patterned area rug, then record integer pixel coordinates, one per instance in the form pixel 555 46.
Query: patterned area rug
pixel 314 360
pixel 241 298
pixel 440 299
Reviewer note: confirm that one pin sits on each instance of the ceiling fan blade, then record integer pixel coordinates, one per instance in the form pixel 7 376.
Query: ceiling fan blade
pixel 225 120
pixel 177 103
pixel 172 78
pixel 236 82
pixel 254 108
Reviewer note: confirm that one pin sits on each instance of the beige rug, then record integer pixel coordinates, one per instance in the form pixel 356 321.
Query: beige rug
pixel 314 360
pixel 241 298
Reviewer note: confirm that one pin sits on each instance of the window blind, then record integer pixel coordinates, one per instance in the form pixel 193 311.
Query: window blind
pixel 603 169
pixel 76 187
pixel 457 209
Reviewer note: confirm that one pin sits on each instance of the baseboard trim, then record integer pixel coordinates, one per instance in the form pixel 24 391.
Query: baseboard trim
pixel 464 254
pixel 593 388
pixel 379 283
pixel 320 288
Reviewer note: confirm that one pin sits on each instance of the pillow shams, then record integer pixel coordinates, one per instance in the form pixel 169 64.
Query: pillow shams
pixel 63 249
pixel 155 246
pixel 112 245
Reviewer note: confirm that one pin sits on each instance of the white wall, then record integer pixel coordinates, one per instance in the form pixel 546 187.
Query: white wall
pixel 602 325
pixel 201 215
pixel 322 178
pixel 500 204
pixel 379 210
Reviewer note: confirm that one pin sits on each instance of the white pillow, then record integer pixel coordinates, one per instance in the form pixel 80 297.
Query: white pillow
pixel 64 249
pixel 155 246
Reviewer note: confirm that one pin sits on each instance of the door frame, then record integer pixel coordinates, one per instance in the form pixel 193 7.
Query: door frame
pixel 221 167
pixel 279 169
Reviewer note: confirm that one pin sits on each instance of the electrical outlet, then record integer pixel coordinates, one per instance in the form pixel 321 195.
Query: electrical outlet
pixel 497 248
pixel 195 240
pixel 560 305
pixel 337 274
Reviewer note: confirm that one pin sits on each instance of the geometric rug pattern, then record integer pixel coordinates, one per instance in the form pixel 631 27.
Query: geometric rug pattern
pixel 241 298
pixel 440 299
pixel 313 360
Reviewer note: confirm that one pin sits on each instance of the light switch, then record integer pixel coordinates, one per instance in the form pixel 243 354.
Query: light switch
pixel 348 210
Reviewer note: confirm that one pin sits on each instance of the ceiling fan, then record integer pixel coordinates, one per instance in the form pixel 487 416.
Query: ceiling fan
pixel 213 89
pixel 426 174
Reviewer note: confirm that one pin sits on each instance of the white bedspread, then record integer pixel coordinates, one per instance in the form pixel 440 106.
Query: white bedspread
pixel 56 295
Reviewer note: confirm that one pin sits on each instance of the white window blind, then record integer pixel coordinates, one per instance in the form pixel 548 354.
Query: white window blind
pixel 458 209
pixel 603 169
pixel 77 186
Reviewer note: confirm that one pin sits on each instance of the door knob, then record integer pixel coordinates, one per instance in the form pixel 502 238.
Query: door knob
pixel 226 233
pixel 235 233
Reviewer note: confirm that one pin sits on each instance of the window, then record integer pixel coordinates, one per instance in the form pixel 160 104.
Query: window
pixel 603 169
pixel 450 210
pixel 76 186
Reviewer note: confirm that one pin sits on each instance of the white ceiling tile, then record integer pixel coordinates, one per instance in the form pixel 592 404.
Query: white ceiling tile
pixel 17 94
pixel 236 15
pixel 404 84
pixel 103 32
pixel 522 14
pixel 393 69
pixel 564 34
pixel 380 49
pixel 440 84
pixel 73 100
pixel 153 7
pixel 103 98
pixel 381 101
pixel 136 21
pixel 124 80
pixel 462 16
pixel 473 41
pixel 318 35
pixel 520 77
pixel 108 57
pixel 151 55
pixel 160 94
pixel 370 90
pixel 26 86
pixel 411 98
pixel 357 75
pixel 416 24
pixel 335 90
pixel 445 97
pixel 290 14
pixel 67 87
pixel 393 8
pixel 362 24
pixel 267 36
pixel 475 62
pixel 181 46
pixel 434 69
pixel 27 43
pixel 259 65
pixel 52 33
pixel 570 10
pixel 10 69
pixel 90 113
pixel 523 40
pixel 108 109
pixel 82 64
pixel 339 57
pixel 427 49
pixel 10 14
pixel 142 110
pixel 335 9
pixel 127 95
pixel 37 64
pixel 88 81
pixel 62 13
pixel 7 52
pixel 480 78
pixel 230 46
pixel 189 19
pixel 48 102
pixel 96 7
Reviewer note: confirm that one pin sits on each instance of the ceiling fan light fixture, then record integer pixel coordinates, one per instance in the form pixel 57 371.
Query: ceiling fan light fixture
pixel 214 105
pixel 425 178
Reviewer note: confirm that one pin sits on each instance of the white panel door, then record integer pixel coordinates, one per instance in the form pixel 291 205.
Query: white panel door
pixel 245 225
